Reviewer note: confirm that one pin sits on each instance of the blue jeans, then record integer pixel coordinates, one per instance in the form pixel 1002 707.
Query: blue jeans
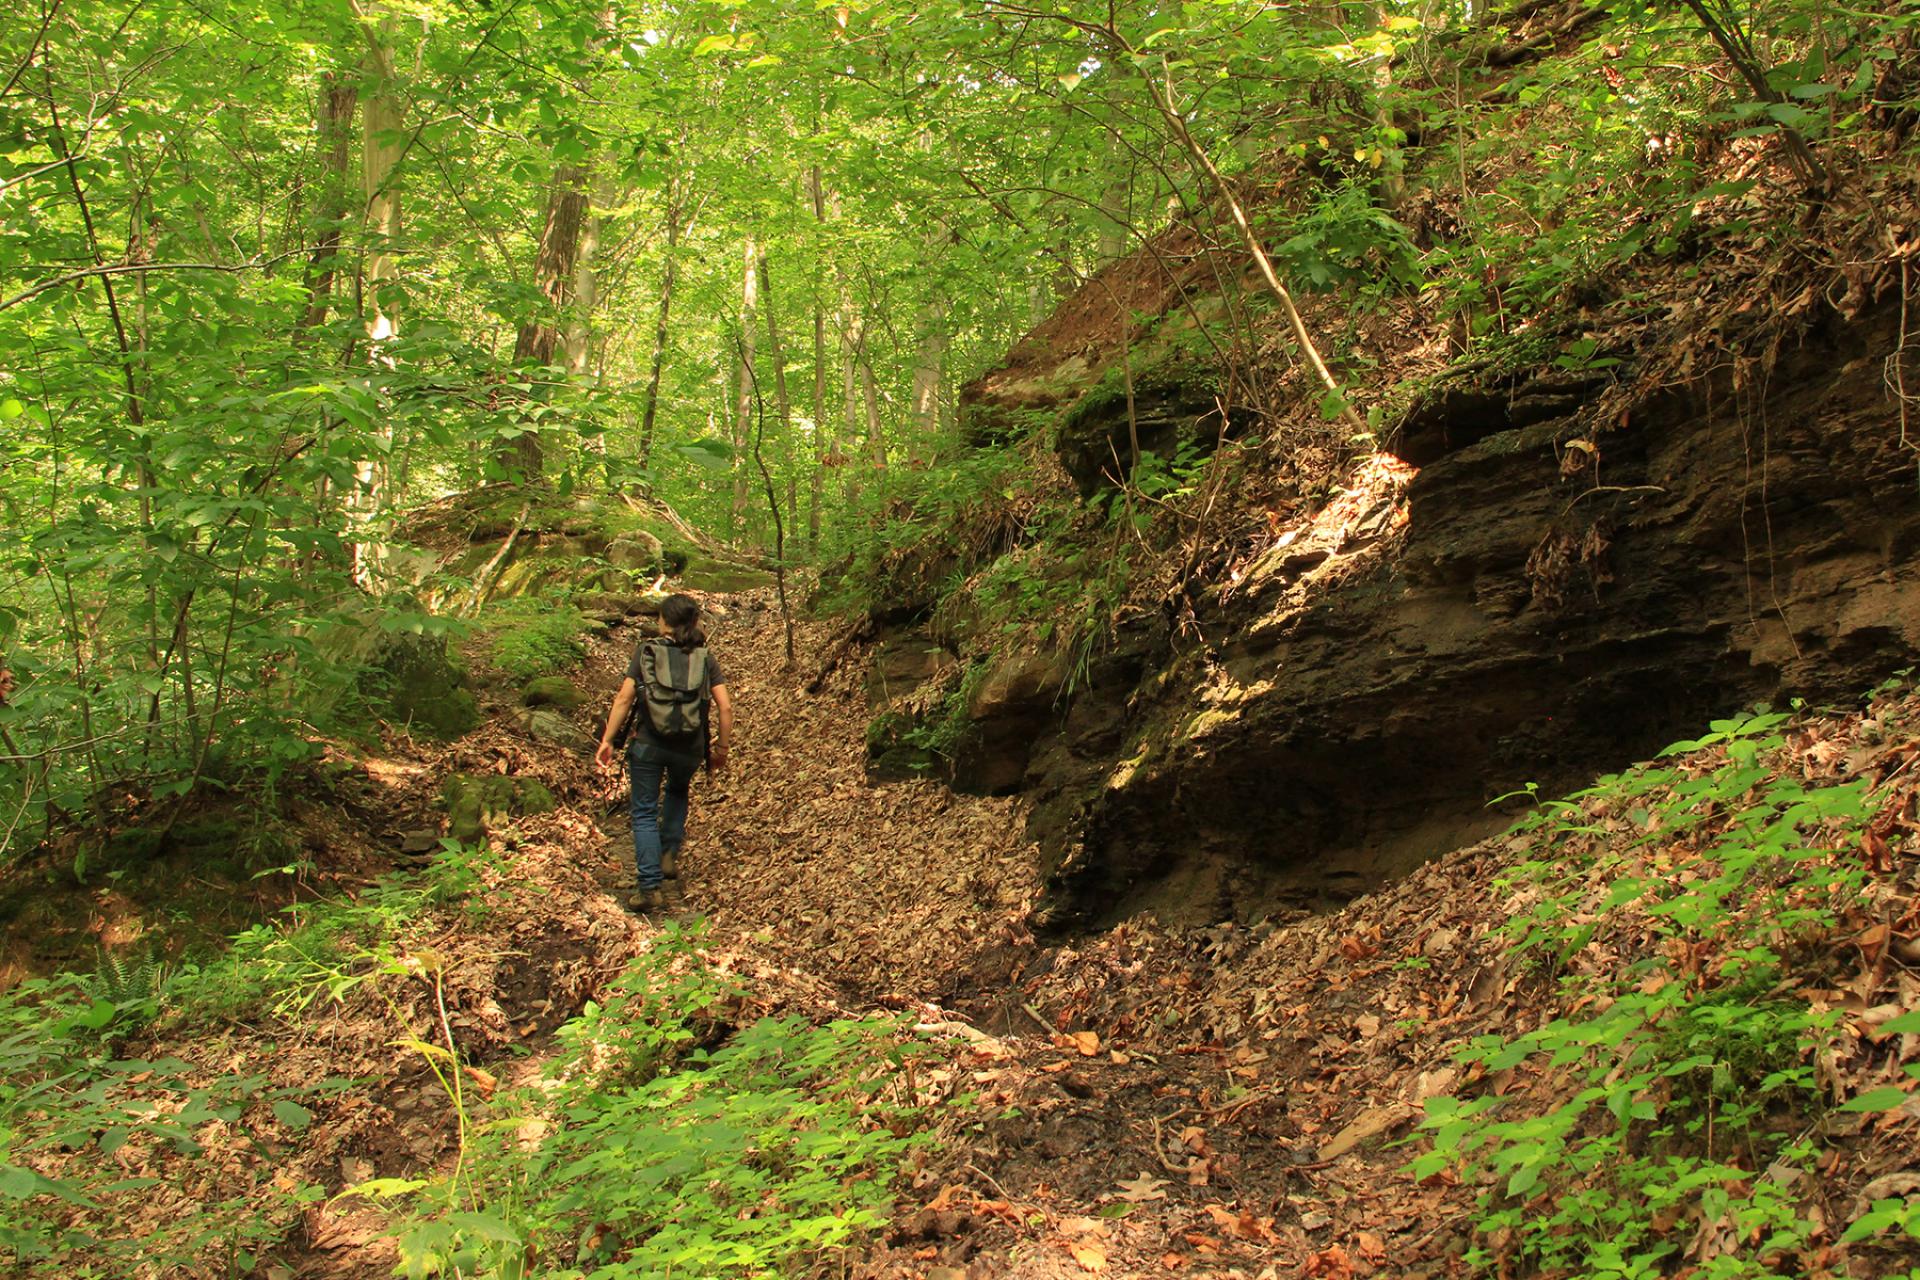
pixel 659 821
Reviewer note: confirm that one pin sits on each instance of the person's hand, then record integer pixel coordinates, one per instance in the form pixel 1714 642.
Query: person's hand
pixel 604 756
pixel 717 759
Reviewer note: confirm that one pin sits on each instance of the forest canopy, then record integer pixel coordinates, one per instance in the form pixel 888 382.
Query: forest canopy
pixel 273 276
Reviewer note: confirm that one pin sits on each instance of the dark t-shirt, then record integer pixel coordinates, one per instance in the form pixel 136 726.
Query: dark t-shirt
pixel 644 745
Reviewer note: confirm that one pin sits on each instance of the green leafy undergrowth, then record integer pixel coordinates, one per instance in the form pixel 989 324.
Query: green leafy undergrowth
pixel 90 1141
pixel 667 1142
pixel 1683 908
pixel 325 948
pixel 114 1166
pixel 528 637
pixel 898 549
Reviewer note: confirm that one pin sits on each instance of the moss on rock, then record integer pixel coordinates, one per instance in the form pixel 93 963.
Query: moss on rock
pixel 478 803
pixel 417 682
pixel 531 638
pixel 551 691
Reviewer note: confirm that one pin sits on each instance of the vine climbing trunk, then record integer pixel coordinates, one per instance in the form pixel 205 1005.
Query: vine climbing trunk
pixel 742 423
pixel 820 450
pixel 773 504
pixel 669 269
pixel 381 149
pixel 782 403
pixel 586 296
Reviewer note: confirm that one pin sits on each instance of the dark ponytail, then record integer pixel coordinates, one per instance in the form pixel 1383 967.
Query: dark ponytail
pixel 681 614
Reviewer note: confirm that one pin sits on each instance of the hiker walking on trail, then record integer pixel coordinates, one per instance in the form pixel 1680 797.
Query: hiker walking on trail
pixel 662 714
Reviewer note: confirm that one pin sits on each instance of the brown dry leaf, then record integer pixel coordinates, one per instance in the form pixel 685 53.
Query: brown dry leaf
pixel 1142 1189
pixel 1087 1042
pixel 1371 1246
pixel 999 1209
pixel 1173 1261
pixel 1369 1124
pixel 1089 1255
pixel 1243 1225
pixel 1330 1264
pixel 946 1197
pixel 485 1081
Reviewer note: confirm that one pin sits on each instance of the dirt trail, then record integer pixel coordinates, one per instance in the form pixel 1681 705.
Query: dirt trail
pixel 895 891
pixel 1091 1143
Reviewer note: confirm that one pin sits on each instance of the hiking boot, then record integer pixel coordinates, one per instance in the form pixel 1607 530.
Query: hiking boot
pixel 647 900
pixel 669 864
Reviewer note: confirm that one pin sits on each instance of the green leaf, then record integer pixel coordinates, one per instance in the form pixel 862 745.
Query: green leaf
pixel 709 451
pixel 385 1188
pixel 1906 1024
pixel 11 409
pixel 292 1114
pixel 486 1226
pixel 1886 1098
pixel 17 1183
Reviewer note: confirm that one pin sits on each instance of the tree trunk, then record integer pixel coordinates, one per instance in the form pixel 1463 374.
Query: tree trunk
pixel 338 101
pixel 380 150
pixel 586 297
pixel 586 282
pixel 379 157
pixel 927 371
pixel 870 394
pixel 820 449
pixel 539 338
pixel 1177 125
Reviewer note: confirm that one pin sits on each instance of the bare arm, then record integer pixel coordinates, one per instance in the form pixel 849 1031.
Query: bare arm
pixel 621 701
pixel 723 727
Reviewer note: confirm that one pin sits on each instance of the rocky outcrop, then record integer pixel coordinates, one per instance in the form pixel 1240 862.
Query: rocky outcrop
pixel 1512 599
pixel 415 682
pixel 502 543
pixel 976 726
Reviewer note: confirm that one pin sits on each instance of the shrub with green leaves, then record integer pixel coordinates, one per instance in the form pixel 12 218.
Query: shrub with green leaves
pixel 77 1122
pixel 674 1144
pixel 325 948
pixel 1679 1085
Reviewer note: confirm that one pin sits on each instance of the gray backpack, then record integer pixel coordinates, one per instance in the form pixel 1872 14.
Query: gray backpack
pixel 673 686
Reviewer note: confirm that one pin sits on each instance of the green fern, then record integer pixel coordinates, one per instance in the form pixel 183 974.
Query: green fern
pixel 122 979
